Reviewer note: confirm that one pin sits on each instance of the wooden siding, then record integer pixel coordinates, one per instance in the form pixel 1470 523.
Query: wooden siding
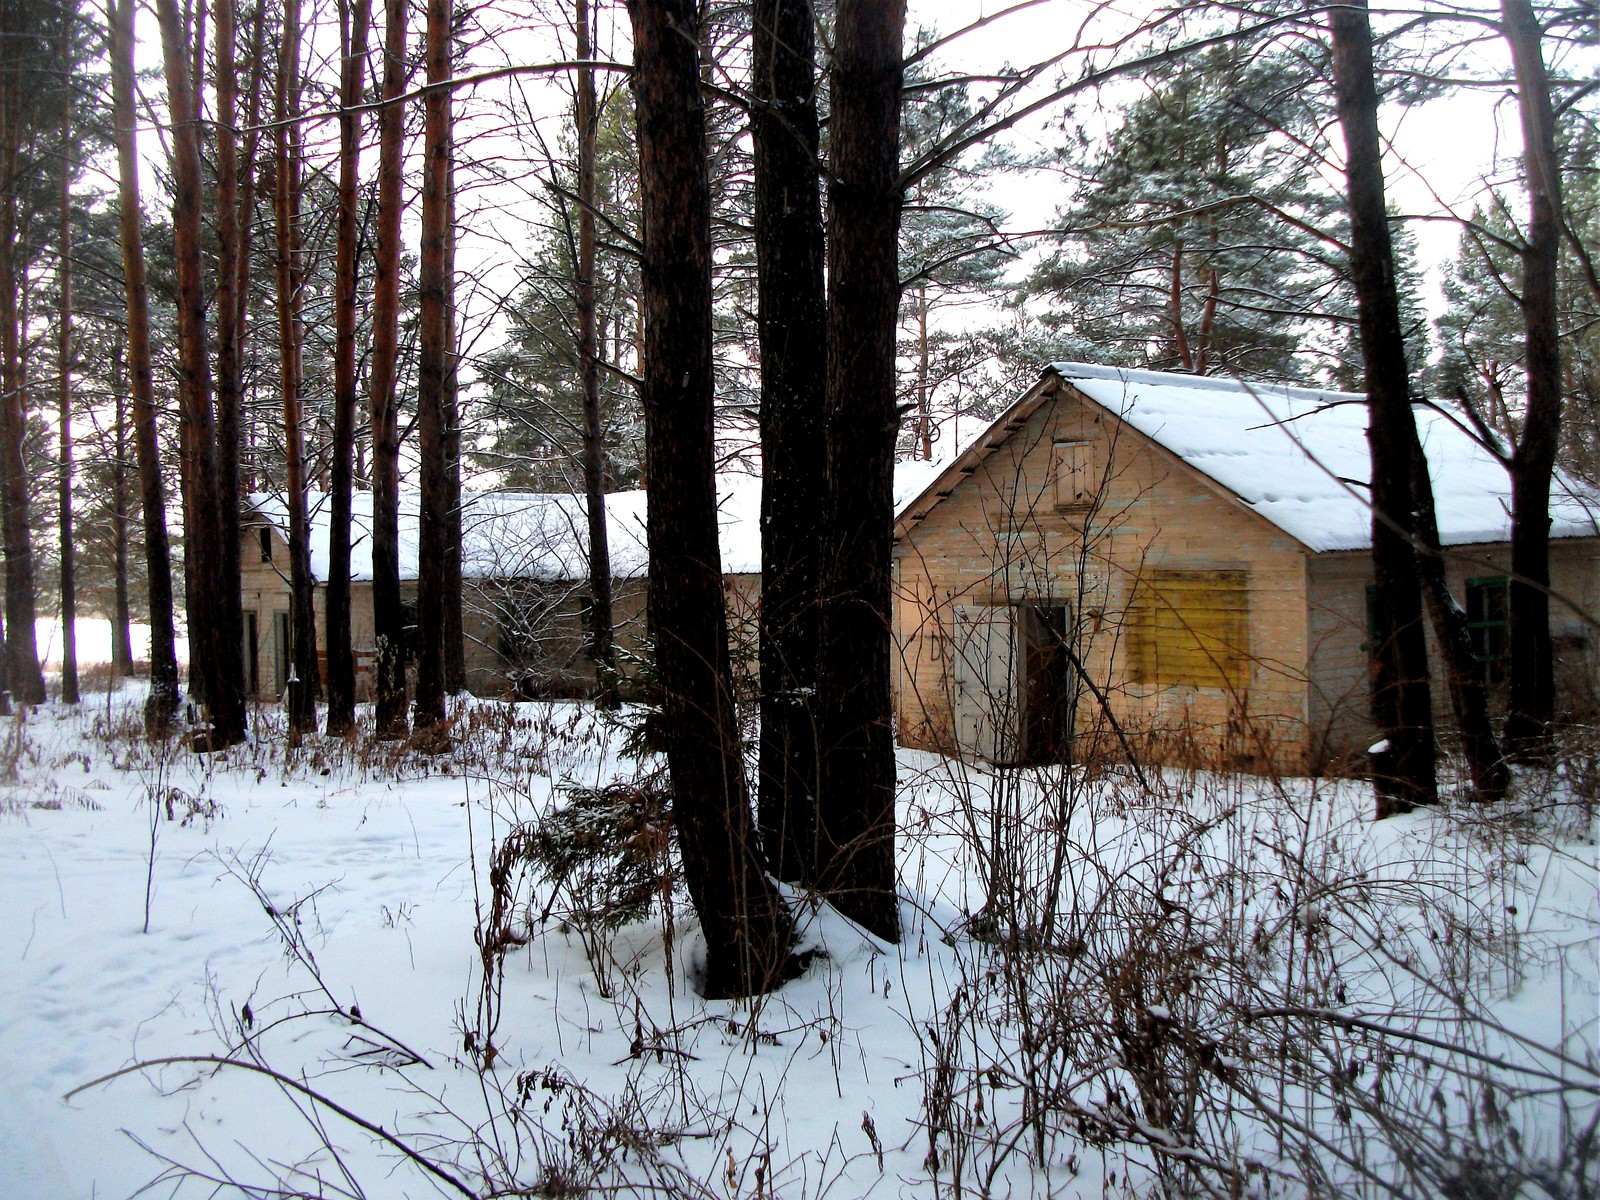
pixel 1012 532
pixel 552 661
pixel 1340 715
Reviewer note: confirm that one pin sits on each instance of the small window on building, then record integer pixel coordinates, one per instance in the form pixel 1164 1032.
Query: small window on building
pixel 1190 629
pixel 266 544
pixel 1074 487
pixel 408 629
pixel 1489 625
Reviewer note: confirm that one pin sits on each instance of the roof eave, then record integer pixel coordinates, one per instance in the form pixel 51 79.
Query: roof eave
pixel 966 463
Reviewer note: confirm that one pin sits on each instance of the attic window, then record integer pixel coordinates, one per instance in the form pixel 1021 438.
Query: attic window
pixel 1190 629
pixel 266 544
pixel 1074 487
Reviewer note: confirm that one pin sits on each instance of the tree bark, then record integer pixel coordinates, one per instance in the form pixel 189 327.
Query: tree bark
pixel 202 544
pixel 792 327
pixel 162 705
pixel 602 652
pixel 1532 698
pixel 354 17
pixel 247 198
pixel 855 804
pixel 24 680
pixel 1469 698
pixel 303 682
pixel 1180 334
pixel 390 665
pixel 433 365
pixel 69 583
pixel 747 928
pixel 453 642
pixel 121 618
pixel 1404 772
pixel 194 36
pixel 924 399
pixel 228 701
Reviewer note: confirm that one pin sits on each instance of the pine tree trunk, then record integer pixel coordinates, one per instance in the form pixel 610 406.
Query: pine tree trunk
pixel 602 652
pixel 792 325
pixel 228 702
pixel 121 618
pixel 1469 698
pixel 453 648
pixel 247 201
pixel 194 36
pixel 69 583
pixel 1532 699
pixel 924 397
pixel 1401 695
pixel 354 17
pixel 5 676
pixel 389 665
pixel 303 682
pixel 1180 333
pixel 433 365
pixel 747 928
pixel 162 705
pixel 855 805
pixel 201 540
pixel 24 680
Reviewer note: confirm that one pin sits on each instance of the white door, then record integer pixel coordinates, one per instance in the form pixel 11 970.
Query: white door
pixel 987 699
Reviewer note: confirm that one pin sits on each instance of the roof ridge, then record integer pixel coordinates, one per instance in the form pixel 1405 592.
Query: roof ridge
pixel 1215 383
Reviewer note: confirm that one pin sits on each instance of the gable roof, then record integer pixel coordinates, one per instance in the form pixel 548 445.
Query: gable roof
pixel 527 535
pixel 1296 456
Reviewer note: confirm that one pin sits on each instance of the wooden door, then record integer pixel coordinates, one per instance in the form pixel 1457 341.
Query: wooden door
pixel 987 699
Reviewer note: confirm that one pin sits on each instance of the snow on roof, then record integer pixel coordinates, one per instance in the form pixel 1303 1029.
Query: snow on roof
pixel 545 535
pixel 1299 456
pixel 529 535
pixel 912 478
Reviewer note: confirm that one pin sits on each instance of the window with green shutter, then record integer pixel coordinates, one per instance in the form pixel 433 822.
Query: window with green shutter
pixel 1489 625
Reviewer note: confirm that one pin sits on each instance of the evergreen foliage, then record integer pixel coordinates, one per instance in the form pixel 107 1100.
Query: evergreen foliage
pixel 1481 335
pixel 1192 241
pixel 604 853
pixel 532 396
pixel 954 255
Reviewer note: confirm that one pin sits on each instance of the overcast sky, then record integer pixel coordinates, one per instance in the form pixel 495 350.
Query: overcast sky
pixel 1445 149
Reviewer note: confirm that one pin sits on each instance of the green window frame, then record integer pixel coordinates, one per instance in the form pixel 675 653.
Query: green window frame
pixel 1489 625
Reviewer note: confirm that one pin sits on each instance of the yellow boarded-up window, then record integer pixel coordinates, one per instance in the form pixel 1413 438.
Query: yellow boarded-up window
pixel 1190 629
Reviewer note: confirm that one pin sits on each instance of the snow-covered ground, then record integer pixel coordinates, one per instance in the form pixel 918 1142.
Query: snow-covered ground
pixel 1235 970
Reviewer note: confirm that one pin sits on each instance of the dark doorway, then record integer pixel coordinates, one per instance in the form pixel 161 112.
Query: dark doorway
pixel 280 651
pixel 1048 697
pixel 252 652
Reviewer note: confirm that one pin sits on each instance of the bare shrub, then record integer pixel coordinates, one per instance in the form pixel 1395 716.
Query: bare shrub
pixel 1236 988
pixel 187 808
pixel 600 858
